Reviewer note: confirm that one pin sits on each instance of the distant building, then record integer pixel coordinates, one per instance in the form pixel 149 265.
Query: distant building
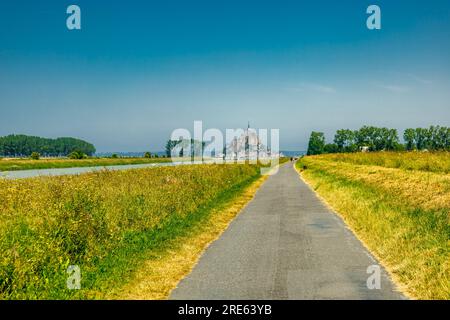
pixel 247 146
pixel 364 149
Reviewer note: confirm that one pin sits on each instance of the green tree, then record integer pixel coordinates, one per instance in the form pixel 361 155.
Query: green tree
pixel 194 147
pixel 147 155
pixel 391 140
pixel 377 139
pixel 441 138
pixel 420 138
pixel 35 155
pixel 364 137
pixel 169 147
pixel 345 140
pixel 331 148
pixel 316 143
pixel 409 137
pixel 23 146
pixel 77 154
pixel 447 140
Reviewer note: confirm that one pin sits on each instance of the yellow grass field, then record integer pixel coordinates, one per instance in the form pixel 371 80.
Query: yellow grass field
pixel 160 274
pixel 12 164
pixel 109 223
pixel 398 204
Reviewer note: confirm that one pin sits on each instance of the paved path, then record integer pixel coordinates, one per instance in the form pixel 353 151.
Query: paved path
pixel 284 245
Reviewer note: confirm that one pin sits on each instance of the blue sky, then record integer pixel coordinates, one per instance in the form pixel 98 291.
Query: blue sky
pixel 139 69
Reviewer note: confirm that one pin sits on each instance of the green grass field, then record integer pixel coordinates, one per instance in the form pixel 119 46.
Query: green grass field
pixel 398 204
pixel 28 164
pixel 108 223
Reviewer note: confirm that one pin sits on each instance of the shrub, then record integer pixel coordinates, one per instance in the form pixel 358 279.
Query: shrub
pixel 77 155
pixel 35 155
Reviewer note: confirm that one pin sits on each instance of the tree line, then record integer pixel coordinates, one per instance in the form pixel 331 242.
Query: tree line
pixel 180 147
pixel 434 138
pixel 24 146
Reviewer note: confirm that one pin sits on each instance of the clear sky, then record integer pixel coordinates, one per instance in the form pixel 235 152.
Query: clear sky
pixel 139 69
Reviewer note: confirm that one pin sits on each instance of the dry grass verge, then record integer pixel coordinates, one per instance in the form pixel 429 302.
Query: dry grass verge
pixel 402 215
pixel 160 275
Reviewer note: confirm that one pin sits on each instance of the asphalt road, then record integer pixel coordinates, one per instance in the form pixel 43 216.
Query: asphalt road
pixel 285 245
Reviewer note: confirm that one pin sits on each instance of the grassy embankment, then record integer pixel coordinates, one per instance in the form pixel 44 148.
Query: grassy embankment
pixel 51 163
pixel 398 204
pixel 156 278
pixel 112 224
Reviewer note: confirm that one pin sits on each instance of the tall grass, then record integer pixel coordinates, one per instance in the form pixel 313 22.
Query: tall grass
pixel 422 161
pixel 105 222
pixel 402 214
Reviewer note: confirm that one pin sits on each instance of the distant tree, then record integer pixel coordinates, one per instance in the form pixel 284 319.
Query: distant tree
pixel 180 147
pixel 345 140
pixel 382 139
pixel 428 133
pixel 391 140
pixel 400 147
pixel 367 137
pixel 409 137
pixel 316 143
pixel 169 147
pixel 436 138
pixel 114 156
pixel 447 139
pixel 376 139
pixel 147 155
pixel 432 138
pixel 362 137
pixel 35 155
pixel 441 138
pixel 331 148
pixel 23 146
pixel 421 139
pixel 77 155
